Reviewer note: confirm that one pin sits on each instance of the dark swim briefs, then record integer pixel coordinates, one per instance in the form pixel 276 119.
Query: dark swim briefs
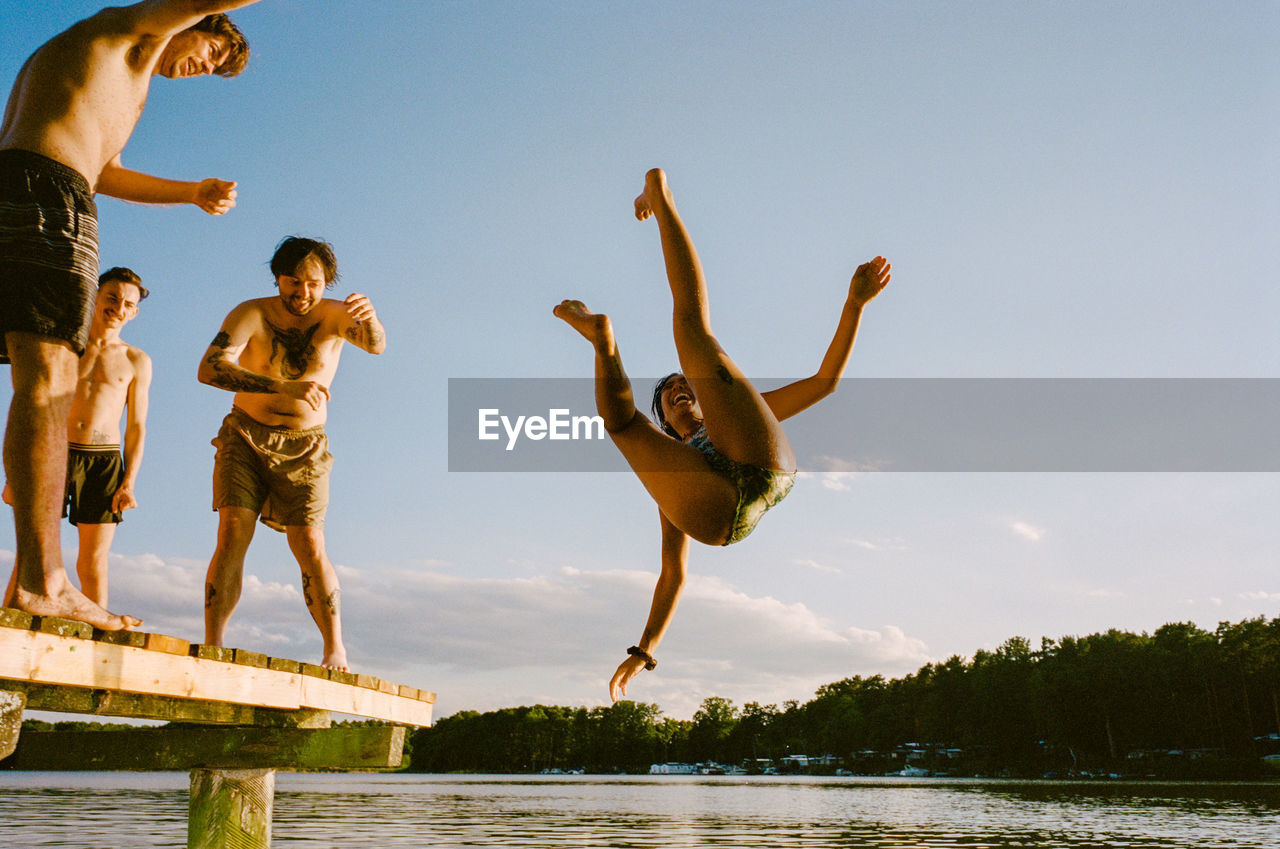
pixel 281 474
pixel 94 473
pixel 48 249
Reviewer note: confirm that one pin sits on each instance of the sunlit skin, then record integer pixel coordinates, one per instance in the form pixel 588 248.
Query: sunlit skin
pixel 281 392
pixel 114 377
pixel 693 500
pixel 76 101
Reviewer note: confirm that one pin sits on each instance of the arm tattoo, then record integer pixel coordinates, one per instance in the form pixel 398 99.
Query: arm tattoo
pixel 236 379
pixel 724 375
pixel 230 376
pixel 293 347
pixel 365 334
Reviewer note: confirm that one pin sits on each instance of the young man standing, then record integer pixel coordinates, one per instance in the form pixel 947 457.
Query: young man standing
pixel 279 356
pixel 114 377
pixel 71 111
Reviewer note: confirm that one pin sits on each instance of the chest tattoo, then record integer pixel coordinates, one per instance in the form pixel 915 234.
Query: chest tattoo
pixel 292 347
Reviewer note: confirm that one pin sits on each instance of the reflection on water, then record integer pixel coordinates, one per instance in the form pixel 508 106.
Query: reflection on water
pixel 112 810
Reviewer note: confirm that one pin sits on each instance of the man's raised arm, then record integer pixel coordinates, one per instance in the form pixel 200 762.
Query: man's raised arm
pixel 166 17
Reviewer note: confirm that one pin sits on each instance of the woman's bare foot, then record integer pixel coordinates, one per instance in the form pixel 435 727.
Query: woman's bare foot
pixel 70 603
pixel 595 328
pixel 655 192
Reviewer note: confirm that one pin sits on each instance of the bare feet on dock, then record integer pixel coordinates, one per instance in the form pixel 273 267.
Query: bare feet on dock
pixel 595 328
pixel 655 193
pixel 70 603
pixel 336 660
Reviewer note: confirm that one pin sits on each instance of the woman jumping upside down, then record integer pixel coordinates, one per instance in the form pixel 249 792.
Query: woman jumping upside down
pixel 717 459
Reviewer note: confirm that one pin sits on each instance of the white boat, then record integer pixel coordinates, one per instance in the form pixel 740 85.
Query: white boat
pixel 910 771
pixel 672 768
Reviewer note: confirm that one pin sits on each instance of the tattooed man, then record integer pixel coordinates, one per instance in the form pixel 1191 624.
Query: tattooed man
pixel 279 355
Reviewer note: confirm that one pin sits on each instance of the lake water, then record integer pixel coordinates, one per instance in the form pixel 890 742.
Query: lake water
pixel 142 810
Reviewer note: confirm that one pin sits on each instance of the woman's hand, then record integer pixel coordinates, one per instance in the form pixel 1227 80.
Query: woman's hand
pixel 627 670
pixel 868 281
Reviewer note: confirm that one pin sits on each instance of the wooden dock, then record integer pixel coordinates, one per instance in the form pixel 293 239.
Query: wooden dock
pixel 239 716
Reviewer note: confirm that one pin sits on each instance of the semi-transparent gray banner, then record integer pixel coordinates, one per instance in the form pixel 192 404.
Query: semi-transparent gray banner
pixel 911 425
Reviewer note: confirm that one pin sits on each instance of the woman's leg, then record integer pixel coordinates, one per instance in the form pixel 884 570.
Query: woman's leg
pixel 738 421
pixel 696 500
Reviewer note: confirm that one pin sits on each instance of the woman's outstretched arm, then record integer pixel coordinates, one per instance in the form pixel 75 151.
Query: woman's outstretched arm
pixel 675 557
pixel 868 281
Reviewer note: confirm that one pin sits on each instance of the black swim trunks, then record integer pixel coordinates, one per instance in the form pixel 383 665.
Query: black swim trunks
pixel 48 249
pixel 94 473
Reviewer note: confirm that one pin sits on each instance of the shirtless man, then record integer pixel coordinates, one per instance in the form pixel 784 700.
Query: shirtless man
pixel 72 108
pixel 114 377
pixel 279 355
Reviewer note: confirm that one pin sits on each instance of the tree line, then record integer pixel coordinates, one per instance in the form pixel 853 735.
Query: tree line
pixel 1180 702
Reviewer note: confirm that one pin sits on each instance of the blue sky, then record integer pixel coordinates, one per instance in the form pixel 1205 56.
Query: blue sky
pixel 1064 190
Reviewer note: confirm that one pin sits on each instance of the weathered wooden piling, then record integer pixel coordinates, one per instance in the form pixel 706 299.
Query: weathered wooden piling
pixel 230 808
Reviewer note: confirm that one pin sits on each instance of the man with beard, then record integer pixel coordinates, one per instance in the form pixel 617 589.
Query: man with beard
pixel 279 355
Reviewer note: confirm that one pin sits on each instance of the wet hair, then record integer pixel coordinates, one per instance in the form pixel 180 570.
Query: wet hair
pixel 120 274
pixel 237 48
pixel 658 415
pixel 291 253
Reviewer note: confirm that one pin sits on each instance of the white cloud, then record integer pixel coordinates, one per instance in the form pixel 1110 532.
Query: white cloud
pixel 826 463
pixel 554 638
pixel 1260 595
pixel 818 567
pixel 883 545
pixel 1027 531
pixel 837 474
pixel 1102 592
pixel 557 638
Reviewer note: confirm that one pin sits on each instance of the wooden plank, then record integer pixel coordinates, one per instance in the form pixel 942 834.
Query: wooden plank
pixel 205 652
pixel 118 665
pixel 191 747
pixel 137 639
pixel 361 701
pixel 284 664
pixel 63 627
pixel 167 708
pixel 165 643
pixel 48 659
pixel 250 658
pixel 12 618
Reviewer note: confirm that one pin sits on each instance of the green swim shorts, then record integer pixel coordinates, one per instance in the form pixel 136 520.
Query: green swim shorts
pixel 281 474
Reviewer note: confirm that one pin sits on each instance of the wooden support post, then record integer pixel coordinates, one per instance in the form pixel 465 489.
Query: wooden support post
pixel 230 808
pixel 11 705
